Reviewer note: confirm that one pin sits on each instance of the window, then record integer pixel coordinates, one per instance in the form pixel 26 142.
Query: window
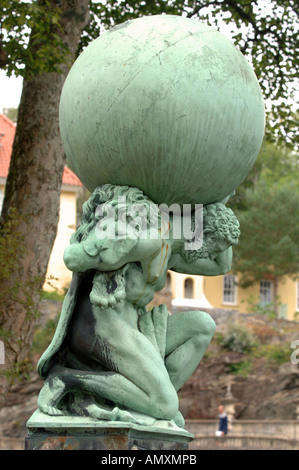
pixel 229 289
pixel 265 292
pixel 188 288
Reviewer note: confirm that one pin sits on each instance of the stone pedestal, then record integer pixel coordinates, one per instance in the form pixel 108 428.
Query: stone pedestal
pixel 80 433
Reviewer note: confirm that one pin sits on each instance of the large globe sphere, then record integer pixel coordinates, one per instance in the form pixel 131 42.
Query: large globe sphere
pixel 165 104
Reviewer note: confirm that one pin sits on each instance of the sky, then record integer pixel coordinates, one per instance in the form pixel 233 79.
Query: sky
pixel 10 91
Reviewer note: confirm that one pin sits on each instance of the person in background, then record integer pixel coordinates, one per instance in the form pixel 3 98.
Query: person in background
pixel 223 422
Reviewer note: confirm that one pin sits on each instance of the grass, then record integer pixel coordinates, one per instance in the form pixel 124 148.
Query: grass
pixel 242 368
pixel 53 295
pixel 43 336
pixel 276 354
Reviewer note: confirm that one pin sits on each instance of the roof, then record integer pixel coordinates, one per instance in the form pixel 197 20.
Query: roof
pixel 7 134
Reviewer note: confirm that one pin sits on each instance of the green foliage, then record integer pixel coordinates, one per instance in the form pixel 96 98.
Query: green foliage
pixel 53 295
pixel 238 339
pixel 218 337
pixel 269 234
pixel 242 368
pixel 269 310
pixel 274 166
pixel 19 371
pixel 43 336
pixel 276 354
pixel 39 21
pixel 241 340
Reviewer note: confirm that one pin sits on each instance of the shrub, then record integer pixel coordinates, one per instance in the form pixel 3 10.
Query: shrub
pixel 276 353
pixel 43 336
pixel 269 310
pixel 242 368
pixel 238 339
pixel 264 332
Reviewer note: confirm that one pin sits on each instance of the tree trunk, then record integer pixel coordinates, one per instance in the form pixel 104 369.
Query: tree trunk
pixel 32 197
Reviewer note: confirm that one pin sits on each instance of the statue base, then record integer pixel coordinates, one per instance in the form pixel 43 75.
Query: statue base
pixel 81 433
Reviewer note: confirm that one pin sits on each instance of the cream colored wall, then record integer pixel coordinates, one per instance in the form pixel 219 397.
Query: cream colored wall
pixel 213 290
pixel 66 226
pixel 178 281
pixel 287 291
pixel 213 287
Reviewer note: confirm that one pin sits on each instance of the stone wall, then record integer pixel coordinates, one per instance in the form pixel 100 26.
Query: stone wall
pixel 246 434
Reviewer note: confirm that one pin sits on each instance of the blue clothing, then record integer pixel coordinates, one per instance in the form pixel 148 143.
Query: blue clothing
pixel 223 423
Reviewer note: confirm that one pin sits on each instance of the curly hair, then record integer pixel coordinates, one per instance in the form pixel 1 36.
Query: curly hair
pixel 220 230
pixel 103 196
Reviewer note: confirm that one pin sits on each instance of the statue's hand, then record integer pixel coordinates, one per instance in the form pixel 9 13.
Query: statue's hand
pixel 100 254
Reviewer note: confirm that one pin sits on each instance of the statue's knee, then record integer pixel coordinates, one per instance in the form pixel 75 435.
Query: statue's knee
pixel 210 325
pixel 203 325
pixel 165 405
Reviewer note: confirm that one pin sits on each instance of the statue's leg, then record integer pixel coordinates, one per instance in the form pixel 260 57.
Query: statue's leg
pixel 145 385
pixel 108 385
pixel 188 336
pixel 138 379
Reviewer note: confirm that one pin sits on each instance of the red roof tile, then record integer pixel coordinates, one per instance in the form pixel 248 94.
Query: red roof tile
pixel 7 133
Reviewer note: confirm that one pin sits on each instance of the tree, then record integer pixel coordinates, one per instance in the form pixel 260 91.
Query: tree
pixel 31 204
pixel 274 165
pixel 268 245
pixel 39 40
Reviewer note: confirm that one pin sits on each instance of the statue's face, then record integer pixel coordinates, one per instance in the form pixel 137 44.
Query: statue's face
pixel 139 220
pixel 214 247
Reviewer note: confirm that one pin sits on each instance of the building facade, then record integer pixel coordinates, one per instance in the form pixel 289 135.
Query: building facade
pixel 223 292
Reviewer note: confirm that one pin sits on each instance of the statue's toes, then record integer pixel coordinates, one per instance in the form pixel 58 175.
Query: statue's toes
pixel 48 399
pixel 53 411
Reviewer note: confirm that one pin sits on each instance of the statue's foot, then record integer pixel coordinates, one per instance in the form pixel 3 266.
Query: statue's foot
pixel 118 414
pixel 179 420
pixel 49 397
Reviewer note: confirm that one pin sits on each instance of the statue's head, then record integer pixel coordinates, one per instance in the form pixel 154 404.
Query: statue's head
pixel 114 219
pixel 220 231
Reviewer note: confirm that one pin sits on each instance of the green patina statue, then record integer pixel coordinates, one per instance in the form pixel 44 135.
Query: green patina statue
pixel 161 110
pixel 110 357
